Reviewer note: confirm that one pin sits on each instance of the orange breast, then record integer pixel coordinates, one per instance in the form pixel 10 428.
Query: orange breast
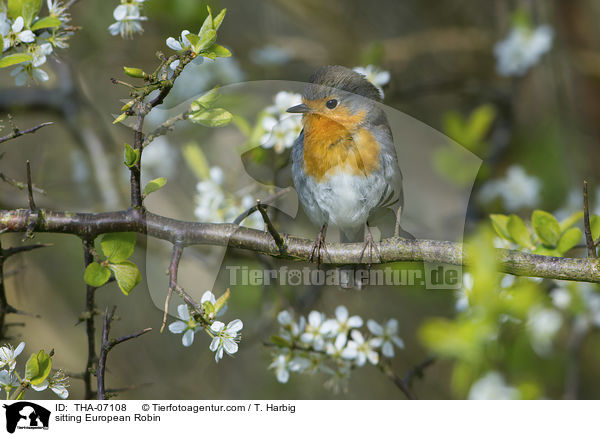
pixel 330 145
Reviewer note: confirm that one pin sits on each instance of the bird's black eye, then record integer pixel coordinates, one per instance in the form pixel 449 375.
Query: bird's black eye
pixel 331 104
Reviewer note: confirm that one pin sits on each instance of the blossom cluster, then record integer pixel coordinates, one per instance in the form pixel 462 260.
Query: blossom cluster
pixel 516 190
pixel 27 41
pixel 225 338
pixel 281 128
pixel 334 346
pixel 128 18
pixel 14 383
pixel 522 49
pixel 215 205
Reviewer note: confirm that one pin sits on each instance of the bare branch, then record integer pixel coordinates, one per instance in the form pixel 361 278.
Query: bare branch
pixel 16 132
pixel 90 225
pixel 90 307
pixel 20 185
pixel 108 345
pixel 20 249
pixel 386 369
pixel 32 206
pixel 271 228
pixel 173 269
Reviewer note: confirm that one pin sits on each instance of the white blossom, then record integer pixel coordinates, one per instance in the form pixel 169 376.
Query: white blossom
pixel 388 333
pixel 225 338
pixel 188 325
pixel 543 324
pixel 281 128
pixel 313 334
pixel 128 19
pixel 522 49
pixel 365 349
pixel 375 75
pixel 338 349
pixel 283 364
pixel 8 356
pixel 492 386
pixel 516 190
pixel 8 380
pixel 342 324
pixel 39 53
pixel 58 384
pixel 26 71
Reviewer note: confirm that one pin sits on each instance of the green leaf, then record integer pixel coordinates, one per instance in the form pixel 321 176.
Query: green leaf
pixel 500 224
pixel 120 118
pixel 38 367
pixel 207 39
pixel 154 185
pixel 96 275
pixel 206 100
pixel 545 251
pixel 518 231
pixel 569 239
pixel 193 39
pixel 478 126
pixel 279 341
pixel 46 23
pixel 131 156
pixel 118 246
pixel 217 117
pixel 569 222
pixel 222 301
pixel 546 227
pixel 127 274
pixel 13 59
pixel 208 23
pixel 219 19
pixel 15 8
pixel 196 160
pixel 28 9
pixel 217 51
pixel 595 226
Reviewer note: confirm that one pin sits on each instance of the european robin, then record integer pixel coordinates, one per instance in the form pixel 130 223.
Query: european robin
pixel 344 163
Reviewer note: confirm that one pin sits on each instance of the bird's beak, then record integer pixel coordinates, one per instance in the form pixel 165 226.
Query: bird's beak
pixel 299 109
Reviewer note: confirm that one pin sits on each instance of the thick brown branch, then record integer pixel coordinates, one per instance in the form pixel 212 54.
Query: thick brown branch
pixel 395 249
pixel 90 330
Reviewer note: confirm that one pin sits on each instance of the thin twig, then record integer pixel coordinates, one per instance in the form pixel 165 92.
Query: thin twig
pixel 173 269
pixel 264 203
pixel 32 205
pixel 386 369
pixel 90 308
pixel 417 371
pixel 108 345
pixel 589 240
pixel 22 248
pixel 20 185
pixel 271 228
pixel 16 132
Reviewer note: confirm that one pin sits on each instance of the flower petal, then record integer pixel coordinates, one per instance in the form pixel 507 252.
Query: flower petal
pixel 355 322
pixel 374 328
pixel 208 296
pixel 235 326
pixel 19 349
pixel 217 327
pixel 183 312
pixel 230 346
pixel 341 313
pixel 188 338
pixel 26 36
pixel 42 386
pixel 18 25
pixel 177 327
pixel 173 44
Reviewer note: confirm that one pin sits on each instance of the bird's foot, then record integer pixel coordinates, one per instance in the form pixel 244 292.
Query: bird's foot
pixel 371 248
pixel 316 255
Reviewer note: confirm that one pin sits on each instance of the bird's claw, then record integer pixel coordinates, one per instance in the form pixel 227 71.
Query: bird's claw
pixel 372 248
pixel 315 255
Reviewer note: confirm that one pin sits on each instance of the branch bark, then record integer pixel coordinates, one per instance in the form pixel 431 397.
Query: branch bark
pixel 90 225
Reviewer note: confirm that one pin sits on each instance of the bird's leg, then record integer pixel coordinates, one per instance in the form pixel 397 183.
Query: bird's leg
pixel 319 245
pixel 371 246
pixel 397 226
